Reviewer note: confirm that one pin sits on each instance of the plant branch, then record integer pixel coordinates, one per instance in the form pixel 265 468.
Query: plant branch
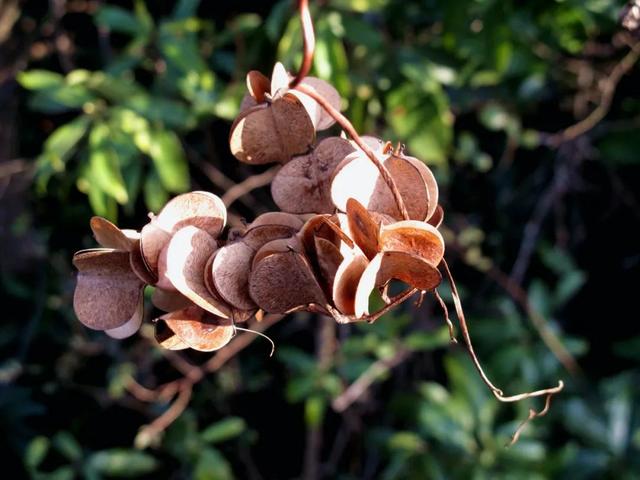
pixel 309 41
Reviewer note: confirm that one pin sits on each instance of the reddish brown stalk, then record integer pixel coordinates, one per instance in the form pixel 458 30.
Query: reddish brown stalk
pixel 445 310
pixel 351 131
pixel 309 39
pixel 499 394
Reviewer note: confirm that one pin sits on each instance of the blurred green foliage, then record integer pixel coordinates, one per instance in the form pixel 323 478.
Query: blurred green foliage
pixel 472 87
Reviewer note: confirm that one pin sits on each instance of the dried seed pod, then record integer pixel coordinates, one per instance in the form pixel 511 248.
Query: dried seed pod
pixel 163 280
pixel 230 273
pixel 323 226
pixel 346 281
pixel 139 266
pixel 357 177
pixel 319 116
pixel 304 184
pixel 283 282
pixel 279 245
pixel 109 235
pixel 256 237
pixel 258 85
pixel 364 229
pixel 277 218
pixel 153 240
pixel 406 267
pixel 107 293
pixel 132 326
pixel 437 217
pixel 328 258
pixel 203 210
pixel 166 338
pixel 418 238
pixel 187 255
pixel 270 133
pixel 168 301
pixel 198 329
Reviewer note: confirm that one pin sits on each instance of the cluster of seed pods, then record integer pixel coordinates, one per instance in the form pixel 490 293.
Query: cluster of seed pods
pixel 340 236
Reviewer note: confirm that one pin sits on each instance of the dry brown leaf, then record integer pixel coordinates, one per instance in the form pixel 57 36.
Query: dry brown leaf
pixel 282 282
pixel 304 184
pixel 187 255
pixel 269 133
pixel 417 238
pixel 107 292
pixel 198 329
pixel 109 235
pixel 406 267
pixel 357 177
pixel 168 301
pixel 346 282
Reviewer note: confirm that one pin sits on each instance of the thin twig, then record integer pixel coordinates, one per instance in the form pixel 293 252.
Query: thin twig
pixel 251 183
pixel 445 310
pixel 608 92
pixel 160 424
pixel 532 414
pixel 377 369
pixel 309 41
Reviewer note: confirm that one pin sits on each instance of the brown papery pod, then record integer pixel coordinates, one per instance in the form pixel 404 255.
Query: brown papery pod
pixel 304 184
pixel 203 210
pixel 279 245
pixel 132 326
pixel 153 240
pixel 277 218
pixel 357 177
pixel 109 235
pixel 258 85
pixel 346 281
pixel 283 282
pixel 417 238
pixel 256 237
pixel 323 226
pixel 437 217
pixel 139 266
pixel 406 267
pixel 364 229
pixel 187 255
pixel 230 274
pixel 199 329
pixel 163 281
pixel 272 132
pixel 430 182
pixel 166 338
pixel 168 301
pixel 328 258
pixel 107 293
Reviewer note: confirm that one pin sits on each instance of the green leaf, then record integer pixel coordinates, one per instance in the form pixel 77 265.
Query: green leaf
pixel 185 9
pixel 171 113
pixel 63 141
pixel 155 195
pixel 122 463
pixel 169 160
pixel 105 171
pixel 422 120
pixel 314 408
pixel 118 19
pixel 35 452
pixel 223 430
pixel 67 445
pixel 61 99
pixel 212 465
pixel 40 79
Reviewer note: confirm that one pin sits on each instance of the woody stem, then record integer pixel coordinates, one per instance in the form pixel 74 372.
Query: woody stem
pixel 309 40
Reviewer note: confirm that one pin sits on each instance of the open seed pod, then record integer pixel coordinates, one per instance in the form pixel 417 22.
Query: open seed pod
pixel 346 281
pixel 196 329
pixel 283 282
pixel 357 177
pixel 187 255
pixel 272 132
pixel 109 235
pixel 107 293
pixel 131 326
pixel 417 238
pixel 203 210
pixel 169 301
pixel 232 264
pixel 303 184
pixel 406 267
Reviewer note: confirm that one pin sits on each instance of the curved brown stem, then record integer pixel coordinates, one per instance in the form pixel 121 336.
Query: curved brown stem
pixel 499 394
pixel 309 39
pixel 351 131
